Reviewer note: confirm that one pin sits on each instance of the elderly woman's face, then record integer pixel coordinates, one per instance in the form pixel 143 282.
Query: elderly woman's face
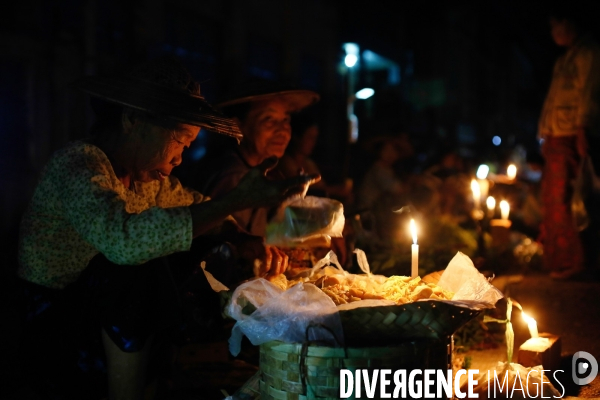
pixel 159 149
pixel 266 129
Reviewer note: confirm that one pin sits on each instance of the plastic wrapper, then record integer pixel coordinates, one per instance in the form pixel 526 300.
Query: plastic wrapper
pixel 283 315
pixel 306 222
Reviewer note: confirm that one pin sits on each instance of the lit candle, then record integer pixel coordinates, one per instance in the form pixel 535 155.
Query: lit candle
pixel 414 270
pixel 484 187
pixel 533 331
pixel 504 209
pixel 511 171
pixel 476 193
pixel 484 184
pixel 491 206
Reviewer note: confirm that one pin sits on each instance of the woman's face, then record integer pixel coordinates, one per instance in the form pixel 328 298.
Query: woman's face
pixel 159 149
pixel 266 129
pixel 563 32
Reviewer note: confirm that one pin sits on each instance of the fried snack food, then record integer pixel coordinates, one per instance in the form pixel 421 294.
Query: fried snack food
pixel 343 289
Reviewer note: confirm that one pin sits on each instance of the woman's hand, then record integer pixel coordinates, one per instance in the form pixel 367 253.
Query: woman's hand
pixel 256 190
pixel 267 261
pixel 274 263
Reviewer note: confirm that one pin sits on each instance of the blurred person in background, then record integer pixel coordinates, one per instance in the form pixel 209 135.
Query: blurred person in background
pixel 381 190
pixel 569 130
pixel 297 157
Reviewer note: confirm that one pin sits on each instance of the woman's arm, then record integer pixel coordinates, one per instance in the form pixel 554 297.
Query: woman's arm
pixel 254 190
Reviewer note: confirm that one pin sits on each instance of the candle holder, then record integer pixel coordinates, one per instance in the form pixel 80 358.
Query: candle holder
pixel 500 231
pixel 544 350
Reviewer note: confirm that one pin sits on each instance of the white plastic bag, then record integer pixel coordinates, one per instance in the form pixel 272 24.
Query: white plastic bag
pixel 302 220
pixel 302 313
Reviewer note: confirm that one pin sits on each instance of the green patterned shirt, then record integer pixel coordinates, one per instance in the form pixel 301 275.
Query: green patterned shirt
pixel 80 208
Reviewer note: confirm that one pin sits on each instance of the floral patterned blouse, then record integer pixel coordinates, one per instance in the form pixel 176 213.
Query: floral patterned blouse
pixel 80 208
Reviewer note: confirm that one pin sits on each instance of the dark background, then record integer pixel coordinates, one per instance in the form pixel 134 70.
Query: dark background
pixel 466 71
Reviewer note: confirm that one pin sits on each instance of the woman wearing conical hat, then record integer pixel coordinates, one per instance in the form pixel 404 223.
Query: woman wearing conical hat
pixel 107 210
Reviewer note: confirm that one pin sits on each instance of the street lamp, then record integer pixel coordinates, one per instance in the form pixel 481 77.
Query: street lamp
pixel 362 94
pixel 352 51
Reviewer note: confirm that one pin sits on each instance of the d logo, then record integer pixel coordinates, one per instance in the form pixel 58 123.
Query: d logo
pixel 584 364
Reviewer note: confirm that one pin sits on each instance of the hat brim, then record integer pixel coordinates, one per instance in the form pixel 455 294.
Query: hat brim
pixel 297 99
pixel 160 101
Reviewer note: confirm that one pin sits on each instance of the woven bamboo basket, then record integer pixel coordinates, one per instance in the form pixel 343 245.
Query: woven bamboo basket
pixel 390 324
pixel 295 371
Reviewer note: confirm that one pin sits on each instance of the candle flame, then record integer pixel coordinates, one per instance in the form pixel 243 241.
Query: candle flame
pixel 527 318
pixel 475 188
pixel 504 209
pixel 531 324
pixel 491 203
pixel 413 231
pixel 511 171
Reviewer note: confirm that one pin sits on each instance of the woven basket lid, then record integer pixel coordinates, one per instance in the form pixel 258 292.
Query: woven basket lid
pixel 165 89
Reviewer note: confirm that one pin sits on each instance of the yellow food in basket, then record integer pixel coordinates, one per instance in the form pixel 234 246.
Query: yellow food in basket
pixel 345 289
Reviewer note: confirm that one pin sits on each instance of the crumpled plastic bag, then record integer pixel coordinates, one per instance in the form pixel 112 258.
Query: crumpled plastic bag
pixel 303 221
pixel 469 285
pixel 521 383
pixel 287 316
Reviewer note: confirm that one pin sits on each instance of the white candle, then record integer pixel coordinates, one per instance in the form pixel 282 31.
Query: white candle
pixel 476 193
pixel 511 171
pixel 533 331
pixel 491 206
pixel 414 268
pixel 484 187
pixel 504 209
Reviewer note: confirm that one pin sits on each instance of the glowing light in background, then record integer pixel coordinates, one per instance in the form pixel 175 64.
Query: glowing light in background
pixel 496 140
pixel 364 93
pixel 350 60
pixel 491 203
pixel 511 171
pixel 482 171
pixel 352 51
pixel 504 209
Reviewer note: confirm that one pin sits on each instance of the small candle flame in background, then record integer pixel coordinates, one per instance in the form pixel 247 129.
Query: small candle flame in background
pixel 504 209
pixel 511 171
pixel 476 193
pixel 533 331
pixel 413 231
pixel 491 205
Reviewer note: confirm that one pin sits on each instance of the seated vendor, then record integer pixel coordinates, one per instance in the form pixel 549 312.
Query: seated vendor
pixel 262 110
pixel 107 210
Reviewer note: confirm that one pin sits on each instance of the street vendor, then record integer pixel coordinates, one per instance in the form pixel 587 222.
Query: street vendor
pixel 263 111
pixel 107 210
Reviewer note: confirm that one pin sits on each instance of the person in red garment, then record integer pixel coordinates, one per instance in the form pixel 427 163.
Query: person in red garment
pixel 569 128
